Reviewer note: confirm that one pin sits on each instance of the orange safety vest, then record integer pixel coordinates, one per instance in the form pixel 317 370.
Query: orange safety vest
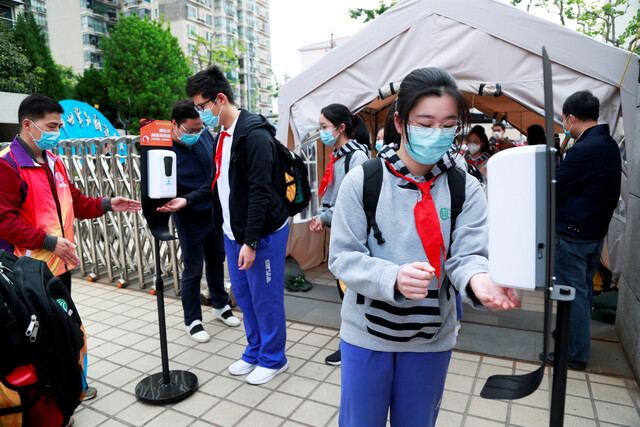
pixel 41 209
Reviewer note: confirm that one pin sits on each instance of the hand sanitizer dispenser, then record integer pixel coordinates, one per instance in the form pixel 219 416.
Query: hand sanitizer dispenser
pixel 162 174
pixel 517 204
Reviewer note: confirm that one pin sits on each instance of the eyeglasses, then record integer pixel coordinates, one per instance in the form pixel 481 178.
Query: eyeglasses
pixel 190 132
pixel 200 107
pixel 426 129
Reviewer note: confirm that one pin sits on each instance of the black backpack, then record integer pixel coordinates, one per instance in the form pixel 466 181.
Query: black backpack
pixel 294 180
pixel 371 186
pixel 40 325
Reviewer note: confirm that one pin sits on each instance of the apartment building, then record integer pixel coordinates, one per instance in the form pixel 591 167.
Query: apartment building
pixel 9 11
pixel 74 29
pixel 229 23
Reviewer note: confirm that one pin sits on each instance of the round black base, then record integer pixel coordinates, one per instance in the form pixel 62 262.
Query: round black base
pixel 182 384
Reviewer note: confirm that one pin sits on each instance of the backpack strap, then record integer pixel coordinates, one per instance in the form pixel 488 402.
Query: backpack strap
pixel 23 185
pixel 457 185
pixel 371 186
pixel 347 161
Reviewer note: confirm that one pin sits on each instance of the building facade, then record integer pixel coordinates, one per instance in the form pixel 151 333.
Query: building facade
pixel 242 25
pixel 74 29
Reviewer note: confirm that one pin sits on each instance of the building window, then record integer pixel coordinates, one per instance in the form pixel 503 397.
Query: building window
pixel 192 49
pixel 156 13
pixel 6 15
pixel 208 35
pixel 192 31
pixel 219 22
pixel 192 12
pixel 208 19
pixel 94 58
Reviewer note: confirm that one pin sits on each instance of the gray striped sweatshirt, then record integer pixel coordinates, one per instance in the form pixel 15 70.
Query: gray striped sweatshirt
pixel 359 156
pixel 387 321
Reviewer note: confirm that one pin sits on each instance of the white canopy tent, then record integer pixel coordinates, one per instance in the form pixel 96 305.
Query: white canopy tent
pixel 478 42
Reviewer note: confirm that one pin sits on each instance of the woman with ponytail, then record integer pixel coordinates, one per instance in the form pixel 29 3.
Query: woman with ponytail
pixel 349 137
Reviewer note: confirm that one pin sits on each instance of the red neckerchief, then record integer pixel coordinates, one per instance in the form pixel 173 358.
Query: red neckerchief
pixel 328 175
pixel 218 159
pixel 427 222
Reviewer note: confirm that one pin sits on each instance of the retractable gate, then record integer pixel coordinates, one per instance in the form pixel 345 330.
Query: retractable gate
pixel 117 246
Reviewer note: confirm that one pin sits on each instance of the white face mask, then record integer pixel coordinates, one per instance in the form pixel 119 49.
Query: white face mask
pixel 497 135
pixel 473 148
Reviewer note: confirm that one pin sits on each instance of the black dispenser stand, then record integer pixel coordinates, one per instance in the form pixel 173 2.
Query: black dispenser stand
pixel 166 386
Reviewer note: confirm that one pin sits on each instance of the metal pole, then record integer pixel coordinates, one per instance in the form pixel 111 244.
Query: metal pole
pixel 161 320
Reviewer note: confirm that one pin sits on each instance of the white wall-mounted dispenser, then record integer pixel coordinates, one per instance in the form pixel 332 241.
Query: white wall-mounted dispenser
pixel 162 178
pixel 517 190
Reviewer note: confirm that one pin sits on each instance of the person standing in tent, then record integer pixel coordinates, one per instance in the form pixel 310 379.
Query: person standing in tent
pixel 587 193
pixel 478 150
pixel 349 137
pixel 499 141
pixel 38 201
pixel 399 313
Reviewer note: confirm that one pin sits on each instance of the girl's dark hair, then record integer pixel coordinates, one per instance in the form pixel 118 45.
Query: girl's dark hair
pixel 391 135
pixel 355 126
pixel 535 135
pixel 479 130
pixel 427 82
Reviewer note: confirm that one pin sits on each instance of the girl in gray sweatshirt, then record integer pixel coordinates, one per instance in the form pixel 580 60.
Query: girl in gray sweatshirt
pixel 349 137
pixel 398 317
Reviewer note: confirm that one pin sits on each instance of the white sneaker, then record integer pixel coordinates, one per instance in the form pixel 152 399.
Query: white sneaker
pixel 226 316
pixel 241 367
pixel 197 332
pixel 262 375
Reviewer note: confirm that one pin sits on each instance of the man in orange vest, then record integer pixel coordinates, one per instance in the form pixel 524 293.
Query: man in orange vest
pixel 38 201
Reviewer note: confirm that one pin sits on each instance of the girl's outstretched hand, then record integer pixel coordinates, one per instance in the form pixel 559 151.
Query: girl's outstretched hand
pixel 493 296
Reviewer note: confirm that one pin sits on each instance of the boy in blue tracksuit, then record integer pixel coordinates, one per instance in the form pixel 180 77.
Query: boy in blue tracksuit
pixel 249 210
pixel 199 241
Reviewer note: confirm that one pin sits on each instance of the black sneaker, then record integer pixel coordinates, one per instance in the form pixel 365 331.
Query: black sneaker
pixel 573 364
pixel 333 359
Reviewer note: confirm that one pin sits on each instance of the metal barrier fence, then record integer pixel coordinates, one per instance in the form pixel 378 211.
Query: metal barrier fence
pixel 117 246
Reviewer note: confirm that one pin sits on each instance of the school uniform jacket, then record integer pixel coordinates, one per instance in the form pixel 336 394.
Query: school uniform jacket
pixel 38 204
pixel 255 205
pixel 387 321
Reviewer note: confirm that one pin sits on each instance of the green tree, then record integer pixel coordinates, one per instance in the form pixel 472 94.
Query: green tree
pixel 370 14
pixel 145 67
pixel 69 78
pixel 211 52
pixel 29 35
pixel 15 69
pixel 92 89
pixel 595 18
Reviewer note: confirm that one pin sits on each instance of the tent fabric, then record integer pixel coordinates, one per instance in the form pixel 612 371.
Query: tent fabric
pixel 463 37
pixel 478 42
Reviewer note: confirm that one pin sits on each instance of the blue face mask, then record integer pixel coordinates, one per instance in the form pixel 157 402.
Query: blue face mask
pixel 189 138
pixel 379 144
pixel 428 149
pixel 327 138
pixel 567 132
pixel 48 140
pixel 209 118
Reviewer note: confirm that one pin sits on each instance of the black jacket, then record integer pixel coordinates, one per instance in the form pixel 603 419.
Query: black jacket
pixel 255 206
pixel 194 169
pixel 588 186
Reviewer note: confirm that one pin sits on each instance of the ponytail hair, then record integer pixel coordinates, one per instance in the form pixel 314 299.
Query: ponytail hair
pixel 355 126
